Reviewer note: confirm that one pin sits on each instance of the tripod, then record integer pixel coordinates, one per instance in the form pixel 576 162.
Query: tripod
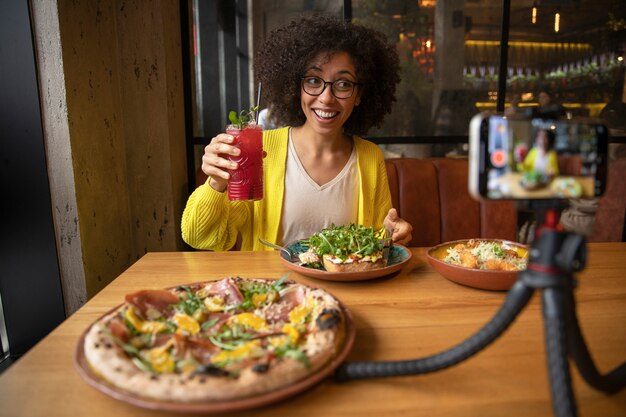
pixel 554 257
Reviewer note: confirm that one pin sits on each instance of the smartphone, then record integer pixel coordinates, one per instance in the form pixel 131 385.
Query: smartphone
pixel 536 159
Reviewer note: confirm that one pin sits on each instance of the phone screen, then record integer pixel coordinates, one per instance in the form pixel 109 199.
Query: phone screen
pixel 538 158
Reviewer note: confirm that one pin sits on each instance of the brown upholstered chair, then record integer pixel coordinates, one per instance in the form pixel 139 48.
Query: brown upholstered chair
pixel 570 164
pixel 432 195
pixel 611 213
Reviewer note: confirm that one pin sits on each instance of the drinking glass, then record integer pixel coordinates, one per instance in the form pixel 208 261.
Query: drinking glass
pixel 246 182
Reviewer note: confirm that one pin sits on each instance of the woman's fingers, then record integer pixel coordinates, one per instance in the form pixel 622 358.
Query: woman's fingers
pixel 402 232
pixel 215 167
pixel 401 229
pixel 222 144
pixel 214 161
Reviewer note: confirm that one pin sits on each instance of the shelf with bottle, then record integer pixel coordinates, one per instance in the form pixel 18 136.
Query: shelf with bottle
pixel 590 75
pixel 573 108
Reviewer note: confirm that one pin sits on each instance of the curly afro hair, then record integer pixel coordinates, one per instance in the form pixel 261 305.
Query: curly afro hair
pixel 287 52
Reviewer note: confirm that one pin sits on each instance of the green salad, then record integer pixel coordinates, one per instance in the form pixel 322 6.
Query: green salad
pixel 345 241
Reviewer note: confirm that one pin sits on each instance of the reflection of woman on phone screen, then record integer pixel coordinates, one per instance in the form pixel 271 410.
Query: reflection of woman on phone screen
pixel 542 157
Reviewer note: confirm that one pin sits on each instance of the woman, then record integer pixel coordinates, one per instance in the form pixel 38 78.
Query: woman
pixel 542 157
pixel 330 81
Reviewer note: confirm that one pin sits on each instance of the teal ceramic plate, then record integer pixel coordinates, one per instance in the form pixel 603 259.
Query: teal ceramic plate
pixel 399 256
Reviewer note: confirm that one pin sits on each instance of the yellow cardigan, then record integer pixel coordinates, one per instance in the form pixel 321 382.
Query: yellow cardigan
pixel 212 222
pixel 552 167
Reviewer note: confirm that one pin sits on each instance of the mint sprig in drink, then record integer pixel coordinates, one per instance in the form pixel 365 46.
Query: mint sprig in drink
pixel 246 182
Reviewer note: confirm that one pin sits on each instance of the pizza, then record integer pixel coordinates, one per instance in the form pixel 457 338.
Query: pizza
pixel 216 341
pixel 349 248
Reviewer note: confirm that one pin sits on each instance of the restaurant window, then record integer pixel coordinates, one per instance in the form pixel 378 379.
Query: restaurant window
pixel 450 53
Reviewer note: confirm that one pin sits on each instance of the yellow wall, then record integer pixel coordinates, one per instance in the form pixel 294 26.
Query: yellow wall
pixel 122 78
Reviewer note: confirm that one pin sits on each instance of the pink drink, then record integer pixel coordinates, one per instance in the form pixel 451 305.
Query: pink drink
pixel 246 182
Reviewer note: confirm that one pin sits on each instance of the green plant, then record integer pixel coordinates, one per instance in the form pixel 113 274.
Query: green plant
pixel 243 118
pixel 555 75
pixel 491 77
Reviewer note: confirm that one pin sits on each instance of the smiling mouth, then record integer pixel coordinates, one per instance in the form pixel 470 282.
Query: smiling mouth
pixel 326 114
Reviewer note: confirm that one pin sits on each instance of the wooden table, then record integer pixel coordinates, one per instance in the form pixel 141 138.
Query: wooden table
pixel 409 315
pixel 509 185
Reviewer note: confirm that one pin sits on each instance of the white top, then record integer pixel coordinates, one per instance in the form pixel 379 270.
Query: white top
pixel 541 161
pixel 309 207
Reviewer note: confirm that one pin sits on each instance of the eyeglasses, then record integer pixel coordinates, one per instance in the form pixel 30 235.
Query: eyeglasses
pixel 315 86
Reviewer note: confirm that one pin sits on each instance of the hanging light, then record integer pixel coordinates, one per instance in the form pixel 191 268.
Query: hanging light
pixel 557 20
pixel 533 13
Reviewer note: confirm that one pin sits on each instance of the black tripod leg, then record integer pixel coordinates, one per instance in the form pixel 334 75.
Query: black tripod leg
pixel 516 300
pixel 563 402
pixel 609 383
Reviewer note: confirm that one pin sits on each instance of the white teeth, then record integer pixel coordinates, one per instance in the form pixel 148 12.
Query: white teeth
pixel 325 114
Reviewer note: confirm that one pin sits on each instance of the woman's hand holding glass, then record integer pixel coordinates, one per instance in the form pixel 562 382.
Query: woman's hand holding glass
pixel 215 165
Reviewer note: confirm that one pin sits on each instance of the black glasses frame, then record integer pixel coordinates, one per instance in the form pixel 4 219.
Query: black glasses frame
pixel 332 86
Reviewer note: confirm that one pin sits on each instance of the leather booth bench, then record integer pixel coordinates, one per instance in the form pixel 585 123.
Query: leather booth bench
pixel 610 217
pixel 432 195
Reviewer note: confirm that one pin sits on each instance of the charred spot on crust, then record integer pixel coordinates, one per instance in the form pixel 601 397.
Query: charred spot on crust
pixel 260 368
pixel 328 318
pixel 211 370
pixel 154 377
